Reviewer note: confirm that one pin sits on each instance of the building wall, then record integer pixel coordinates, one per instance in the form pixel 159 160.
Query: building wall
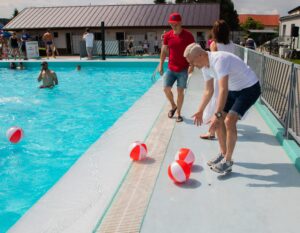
pixel 138 36
pixel 286 33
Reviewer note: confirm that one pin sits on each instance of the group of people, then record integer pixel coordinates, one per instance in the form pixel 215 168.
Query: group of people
pixel 14 45
pixel 231 87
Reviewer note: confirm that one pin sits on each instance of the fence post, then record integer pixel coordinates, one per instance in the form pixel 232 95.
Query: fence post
pixel 262 75
pixel 290 101
pixel 103 40
pixel 246 55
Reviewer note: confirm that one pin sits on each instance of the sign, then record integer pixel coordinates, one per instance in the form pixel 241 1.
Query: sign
pixel 32 49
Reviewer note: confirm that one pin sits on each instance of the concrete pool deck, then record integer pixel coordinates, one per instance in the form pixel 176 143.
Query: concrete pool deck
pixel 260 195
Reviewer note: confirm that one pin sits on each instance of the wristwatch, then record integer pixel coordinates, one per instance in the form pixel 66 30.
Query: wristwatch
pixel 218 115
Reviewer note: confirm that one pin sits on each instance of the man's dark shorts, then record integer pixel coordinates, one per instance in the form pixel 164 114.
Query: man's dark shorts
pixel 240 101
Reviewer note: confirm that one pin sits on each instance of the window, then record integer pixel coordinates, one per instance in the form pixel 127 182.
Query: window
pixel 98 36
pixel 283 30
pixel 55 34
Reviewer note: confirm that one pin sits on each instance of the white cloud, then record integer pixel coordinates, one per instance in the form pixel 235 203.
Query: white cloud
pixel 265 7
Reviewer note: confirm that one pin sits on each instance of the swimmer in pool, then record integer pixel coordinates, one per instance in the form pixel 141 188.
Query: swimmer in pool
pixel 48 77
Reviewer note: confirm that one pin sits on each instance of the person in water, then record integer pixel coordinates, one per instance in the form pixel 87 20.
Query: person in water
pixel 48 77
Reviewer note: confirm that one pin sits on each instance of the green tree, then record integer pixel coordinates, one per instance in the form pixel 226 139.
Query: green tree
pixel 227 11
pixel 229 14
pixel 16 12
pixel 250 23
pixel 159 1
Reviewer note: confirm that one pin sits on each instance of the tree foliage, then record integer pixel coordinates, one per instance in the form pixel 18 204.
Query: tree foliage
pixel 16 12
pixel 159 1
pixel 250 23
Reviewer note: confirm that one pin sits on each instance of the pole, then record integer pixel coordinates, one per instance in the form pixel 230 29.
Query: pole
pixel 103 40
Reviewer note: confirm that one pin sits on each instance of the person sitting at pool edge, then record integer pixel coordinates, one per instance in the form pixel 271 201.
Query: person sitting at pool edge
pixel 48 77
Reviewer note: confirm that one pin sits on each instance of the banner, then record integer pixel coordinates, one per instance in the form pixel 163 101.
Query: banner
pixel 32 49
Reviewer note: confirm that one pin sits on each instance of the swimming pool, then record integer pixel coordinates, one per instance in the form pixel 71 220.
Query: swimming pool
pixel 59 124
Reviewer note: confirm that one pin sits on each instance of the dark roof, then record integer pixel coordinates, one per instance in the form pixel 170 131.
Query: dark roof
pixel 295 9
pixel 138 15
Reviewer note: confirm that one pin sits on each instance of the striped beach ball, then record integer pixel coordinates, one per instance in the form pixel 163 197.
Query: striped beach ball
pixel 138 151
pixel 14 134
pixel 179 171
pixel 185 155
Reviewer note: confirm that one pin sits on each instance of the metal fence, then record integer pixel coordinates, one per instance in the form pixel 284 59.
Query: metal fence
pixel 280 82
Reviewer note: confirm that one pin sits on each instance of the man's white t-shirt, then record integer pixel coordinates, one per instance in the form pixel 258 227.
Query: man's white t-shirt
pixel 221 64
pixel 89 39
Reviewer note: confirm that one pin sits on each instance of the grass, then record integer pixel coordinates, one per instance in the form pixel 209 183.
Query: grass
pixel 297 61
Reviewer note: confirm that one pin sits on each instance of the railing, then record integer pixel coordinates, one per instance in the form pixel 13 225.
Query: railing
pixel 280 83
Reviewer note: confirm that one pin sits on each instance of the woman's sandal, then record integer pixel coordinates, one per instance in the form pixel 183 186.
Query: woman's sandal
pixel 172 112
pixel 207 136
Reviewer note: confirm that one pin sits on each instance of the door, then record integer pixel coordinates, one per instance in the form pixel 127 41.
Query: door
pixel 120 37
pixel 68 42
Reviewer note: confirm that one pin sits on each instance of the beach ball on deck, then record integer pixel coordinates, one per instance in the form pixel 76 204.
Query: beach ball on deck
pixel 14 134
pixel 185 155
pixel 138 151
pixel 179 171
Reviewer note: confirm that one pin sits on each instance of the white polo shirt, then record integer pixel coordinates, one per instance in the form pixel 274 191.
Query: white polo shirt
pixel 221 64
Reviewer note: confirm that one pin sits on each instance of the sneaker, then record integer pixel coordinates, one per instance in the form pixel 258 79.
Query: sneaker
pixel 223 167
pixel 215 160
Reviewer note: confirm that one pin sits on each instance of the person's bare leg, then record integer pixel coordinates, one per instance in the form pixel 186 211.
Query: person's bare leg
pixel 180 98
pixel 221 134
pixel 170 96
pixel 53 51
pixel 47 51
pixel 231 134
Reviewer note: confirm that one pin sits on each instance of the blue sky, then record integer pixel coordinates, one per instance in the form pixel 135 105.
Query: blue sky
pixel 242 6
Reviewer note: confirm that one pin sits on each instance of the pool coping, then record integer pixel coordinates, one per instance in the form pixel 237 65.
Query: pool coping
pixel 78 200
pixel 290 146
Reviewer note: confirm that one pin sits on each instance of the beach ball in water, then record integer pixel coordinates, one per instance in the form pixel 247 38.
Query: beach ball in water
pixel 179 171
pixel 185 155
pixel 138 151
pixel 14 134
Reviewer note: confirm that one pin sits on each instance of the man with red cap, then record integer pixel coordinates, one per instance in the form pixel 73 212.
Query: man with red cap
pixel 175 41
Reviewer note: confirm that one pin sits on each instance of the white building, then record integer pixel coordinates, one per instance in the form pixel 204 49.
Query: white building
pixel 287 23
pixel 139 21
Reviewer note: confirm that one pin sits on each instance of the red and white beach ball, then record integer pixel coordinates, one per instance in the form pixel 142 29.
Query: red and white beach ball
pixel 179 171
pixel 185 155
pixel 138 151
pixel 14 134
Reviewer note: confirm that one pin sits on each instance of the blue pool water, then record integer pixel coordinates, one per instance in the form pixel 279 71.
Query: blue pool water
pixel 59 124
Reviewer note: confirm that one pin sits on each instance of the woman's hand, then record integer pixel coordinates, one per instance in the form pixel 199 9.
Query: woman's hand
pixel 215 123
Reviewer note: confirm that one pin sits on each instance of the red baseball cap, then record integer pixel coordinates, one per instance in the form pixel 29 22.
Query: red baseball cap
pixel 175 18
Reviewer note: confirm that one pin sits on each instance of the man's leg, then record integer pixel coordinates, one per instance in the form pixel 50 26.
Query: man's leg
pixel 221 134
pixel 231 134
pixel 180 98
pixel 47 50
pixel 170 96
